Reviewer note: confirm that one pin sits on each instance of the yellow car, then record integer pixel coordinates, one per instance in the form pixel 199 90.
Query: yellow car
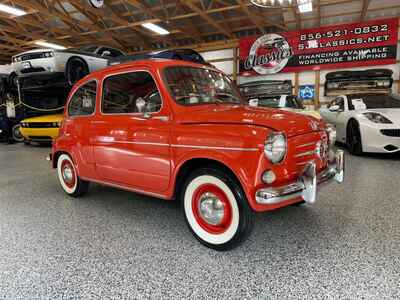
pixel 42 129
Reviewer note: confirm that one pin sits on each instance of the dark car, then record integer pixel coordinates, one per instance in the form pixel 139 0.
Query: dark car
pixel 350 82
pixel 178 54
pixel 265 87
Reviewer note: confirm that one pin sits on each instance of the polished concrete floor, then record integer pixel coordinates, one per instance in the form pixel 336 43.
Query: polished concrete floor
pixel 115 244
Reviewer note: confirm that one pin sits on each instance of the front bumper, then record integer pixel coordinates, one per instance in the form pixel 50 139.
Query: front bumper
pixel 306 186
pixel 39 134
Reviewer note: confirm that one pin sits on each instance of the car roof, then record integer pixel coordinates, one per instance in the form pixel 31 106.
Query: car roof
pixel 152 62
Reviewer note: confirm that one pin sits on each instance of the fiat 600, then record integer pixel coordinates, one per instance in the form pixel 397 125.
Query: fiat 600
pixel 179 131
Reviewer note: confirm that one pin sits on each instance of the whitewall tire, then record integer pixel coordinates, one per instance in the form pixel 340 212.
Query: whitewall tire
pixel 68 177
pixel 216 209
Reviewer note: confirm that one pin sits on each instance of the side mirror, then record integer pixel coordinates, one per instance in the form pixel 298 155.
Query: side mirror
pixel 335 108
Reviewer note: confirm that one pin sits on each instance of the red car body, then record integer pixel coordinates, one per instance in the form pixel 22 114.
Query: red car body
pixel 152 155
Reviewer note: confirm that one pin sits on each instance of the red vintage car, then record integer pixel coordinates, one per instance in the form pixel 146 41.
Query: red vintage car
pixel 179 130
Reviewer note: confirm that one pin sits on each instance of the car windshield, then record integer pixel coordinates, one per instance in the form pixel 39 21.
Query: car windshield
pixel 193 86
pixel 277 102
pixel 374 101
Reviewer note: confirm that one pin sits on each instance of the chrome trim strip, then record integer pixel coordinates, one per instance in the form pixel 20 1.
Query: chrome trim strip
pixel 123 187
pixel 305 153
pixel 135 143
pixel 215 148
pixel 306 145
pixel 179 146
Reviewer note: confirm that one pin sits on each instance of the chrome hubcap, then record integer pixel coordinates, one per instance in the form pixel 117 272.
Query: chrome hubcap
pixel 211 209
pixel 67 174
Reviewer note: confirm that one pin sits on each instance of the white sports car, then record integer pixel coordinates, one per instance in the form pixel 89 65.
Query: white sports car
pixel 366 122
pixel 74 63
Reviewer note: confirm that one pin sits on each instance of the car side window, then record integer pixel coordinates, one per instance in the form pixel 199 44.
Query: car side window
pixel 83 101
pixel 338 101
pixel 134 92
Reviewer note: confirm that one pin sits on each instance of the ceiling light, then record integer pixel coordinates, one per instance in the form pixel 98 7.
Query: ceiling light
pixel 50 45
pixel 305 6
pixel 272 3
pixel 12 10
pixel 155 28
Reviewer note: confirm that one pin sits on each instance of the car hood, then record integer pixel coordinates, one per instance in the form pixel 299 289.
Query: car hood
pixel 279 120
pixel 36 51
pixel 306 112
pixel 48 118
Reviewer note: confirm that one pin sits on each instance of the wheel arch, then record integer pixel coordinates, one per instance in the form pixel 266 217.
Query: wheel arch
pixel 191 164
pixel 76 57
pixel 56 156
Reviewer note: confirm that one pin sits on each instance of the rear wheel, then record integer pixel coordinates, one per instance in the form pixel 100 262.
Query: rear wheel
pixel 69 179
pixel 353 138
pixel 216 209
pixel 75 70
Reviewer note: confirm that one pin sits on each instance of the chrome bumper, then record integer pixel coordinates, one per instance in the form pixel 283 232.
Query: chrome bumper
pixel 306 186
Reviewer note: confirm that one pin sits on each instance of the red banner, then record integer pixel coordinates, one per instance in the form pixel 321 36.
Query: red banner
pixel 341 46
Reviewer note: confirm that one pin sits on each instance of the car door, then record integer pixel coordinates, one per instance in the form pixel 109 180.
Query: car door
pixel 133 144
pixel 337 117
pixel 328 114
pixel 78 125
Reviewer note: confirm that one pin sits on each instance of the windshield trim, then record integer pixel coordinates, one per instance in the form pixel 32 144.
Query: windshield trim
pixel 215 102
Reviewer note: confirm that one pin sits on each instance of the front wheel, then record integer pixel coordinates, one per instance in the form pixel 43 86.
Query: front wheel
pixel 75 70
pixel 353 139
pixel 69 179
pixel 216 209
pixel 16 133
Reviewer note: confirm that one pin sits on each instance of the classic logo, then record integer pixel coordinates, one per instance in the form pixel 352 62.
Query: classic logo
pixel 269 54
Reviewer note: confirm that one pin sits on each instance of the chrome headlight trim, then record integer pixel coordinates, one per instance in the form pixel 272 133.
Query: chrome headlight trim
pixel 275 147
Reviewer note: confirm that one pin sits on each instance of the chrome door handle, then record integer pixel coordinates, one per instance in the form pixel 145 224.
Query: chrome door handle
pixel 161 118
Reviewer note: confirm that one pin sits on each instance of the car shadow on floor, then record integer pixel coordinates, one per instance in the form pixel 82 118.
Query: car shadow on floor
pixel 301 225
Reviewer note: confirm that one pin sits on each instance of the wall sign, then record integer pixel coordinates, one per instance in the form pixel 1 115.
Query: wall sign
pixel 307 92
pixel 341 46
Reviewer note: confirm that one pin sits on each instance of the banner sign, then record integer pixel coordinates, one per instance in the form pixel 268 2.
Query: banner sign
pixel 341 46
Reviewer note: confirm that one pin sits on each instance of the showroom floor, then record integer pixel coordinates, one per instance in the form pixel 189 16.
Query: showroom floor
pixel 115 244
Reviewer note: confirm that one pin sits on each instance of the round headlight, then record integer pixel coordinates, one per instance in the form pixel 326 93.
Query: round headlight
pixel 331 131
pixel 275 147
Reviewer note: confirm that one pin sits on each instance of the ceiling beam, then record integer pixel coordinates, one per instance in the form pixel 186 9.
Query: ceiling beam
pixel 206 17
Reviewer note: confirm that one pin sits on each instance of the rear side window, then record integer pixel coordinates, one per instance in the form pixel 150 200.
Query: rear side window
pixel 83 102
pixel 134 92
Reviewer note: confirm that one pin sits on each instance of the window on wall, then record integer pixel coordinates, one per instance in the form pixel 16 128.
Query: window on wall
pixel 134 92
pixel 83 102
